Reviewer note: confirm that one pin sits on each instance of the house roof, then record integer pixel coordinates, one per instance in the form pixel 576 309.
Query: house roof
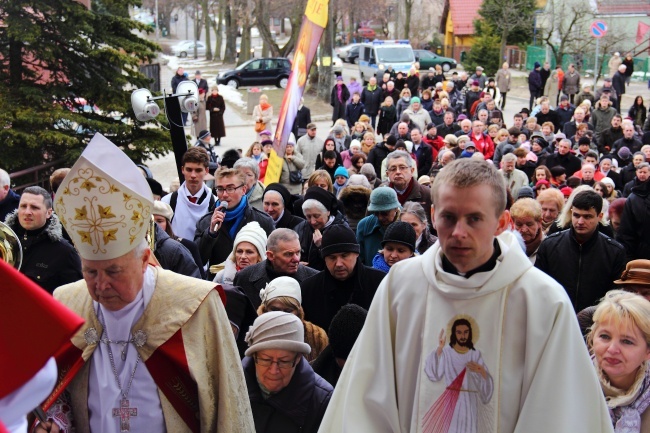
pixel 463 13
pixel 621 7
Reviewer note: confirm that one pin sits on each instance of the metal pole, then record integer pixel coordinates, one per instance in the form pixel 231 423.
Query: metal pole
pixel 596 62
pixel 157 20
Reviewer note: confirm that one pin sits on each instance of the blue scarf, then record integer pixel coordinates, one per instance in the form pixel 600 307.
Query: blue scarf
pixel 235 216
pixel 379 263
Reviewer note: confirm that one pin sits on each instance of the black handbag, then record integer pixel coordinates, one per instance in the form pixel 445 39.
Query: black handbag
pixel 295 177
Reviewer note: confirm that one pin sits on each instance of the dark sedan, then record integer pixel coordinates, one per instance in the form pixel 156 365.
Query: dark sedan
pixel 428 60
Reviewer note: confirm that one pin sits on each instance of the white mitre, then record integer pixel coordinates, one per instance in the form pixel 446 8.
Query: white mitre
pixel 104 203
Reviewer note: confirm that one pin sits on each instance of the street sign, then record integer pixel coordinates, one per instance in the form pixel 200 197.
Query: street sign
pixel 598 29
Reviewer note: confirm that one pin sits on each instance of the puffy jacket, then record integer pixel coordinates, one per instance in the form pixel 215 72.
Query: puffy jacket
pixel 173 256
pixel 48 259
pixel 634 231
pixel 299 407
pixel 585 271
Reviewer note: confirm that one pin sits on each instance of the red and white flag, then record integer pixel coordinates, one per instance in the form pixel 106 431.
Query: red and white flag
pixel 641 31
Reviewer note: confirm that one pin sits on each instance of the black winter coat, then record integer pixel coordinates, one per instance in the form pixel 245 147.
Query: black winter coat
pixel 371 100
pixel 217 249
pixel 377 156
pixel 48 259
pixel 298 408
pixel 173 256
pixel 309 252
pixel 634 231
pixel 585 271
pixel 9 204
pixel 323 295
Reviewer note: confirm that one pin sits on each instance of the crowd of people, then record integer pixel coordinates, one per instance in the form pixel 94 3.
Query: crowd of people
pixel 422 266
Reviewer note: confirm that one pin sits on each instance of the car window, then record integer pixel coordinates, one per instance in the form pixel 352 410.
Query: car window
pixel 254 66
pixel 285 64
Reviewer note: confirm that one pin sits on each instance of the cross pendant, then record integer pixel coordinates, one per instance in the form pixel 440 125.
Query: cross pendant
pixel 125 413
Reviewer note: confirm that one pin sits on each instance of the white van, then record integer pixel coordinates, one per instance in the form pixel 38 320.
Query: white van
pixel 375 56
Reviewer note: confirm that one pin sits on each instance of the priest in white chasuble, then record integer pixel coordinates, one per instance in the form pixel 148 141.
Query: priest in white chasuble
pixel 156 353
pixel 469 337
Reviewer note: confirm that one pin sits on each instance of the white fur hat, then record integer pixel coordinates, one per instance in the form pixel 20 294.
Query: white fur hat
pixel 281 286
pixel 254 234
pixel 104 203
pixel 277 330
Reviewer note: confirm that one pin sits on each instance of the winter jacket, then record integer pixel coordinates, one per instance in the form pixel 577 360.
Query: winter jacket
pixel 387 118
pixel 503 79
pixel 634 231
pixel 369 236
pixel 371 100
pixel 424 158
pixel 9 204
pixel 570 162
pixel 420 118
pixel 298 408
pixel 309 252
pixel 296 164
pixel 353 112
pixel 601 119
pixel 327 367
pixel 255 277
pixel 608 137
pixel 323 295
pixel 377 156
pixel 173 256
pixel 48 259
pixel 585 271
pixel 535 83
pixel 216 248
pixel 571 83
pixel 256 195
pixel 309 148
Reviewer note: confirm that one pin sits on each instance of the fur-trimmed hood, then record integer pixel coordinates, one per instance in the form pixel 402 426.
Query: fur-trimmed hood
pixel 53 230
pixel 355 199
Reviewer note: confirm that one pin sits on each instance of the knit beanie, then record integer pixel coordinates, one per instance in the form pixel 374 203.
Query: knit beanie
pixel 281 286
pixel 283 191
pixel 525 191
pixel 338 238
pixel 341 171
pixel 229 158
pixel 276 330
pixel 584 140
pixel 383 199
pixel 415 99
pixel 402 233
pixel 624 152
pixel 325 197
pixel 345 328
pixel 368 169
pixel 359 180
pixel 203 134
pixel 253 233
pixel 391 140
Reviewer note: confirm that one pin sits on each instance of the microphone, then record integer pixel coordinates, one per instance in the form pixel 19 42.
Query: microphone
pixel 221 208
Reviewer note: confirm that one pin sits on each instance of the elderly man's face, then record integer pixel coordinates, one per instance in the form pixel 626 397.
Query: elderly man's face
pixel 273 204
pixel 637 159
pixel 415 106
pixel 642 174
pixel 390 86
pixel 588 173
pixel 116 282
pixel 545 107
pixel 579 115
pixel 372 81
pixel 399 172
pixel 416 136
pixel 628 131
pixel 4 191
pixel 483 116
pixel 466 126
pixel 402 129
pixel 563 148
pixel 449 118
pixel 508 166
pixel 285 257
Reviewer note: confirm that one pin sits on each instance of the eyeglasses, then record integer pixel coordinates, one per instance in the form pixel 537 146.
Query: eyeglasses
pixel 401 168
pixel 283 365
pixel 228 189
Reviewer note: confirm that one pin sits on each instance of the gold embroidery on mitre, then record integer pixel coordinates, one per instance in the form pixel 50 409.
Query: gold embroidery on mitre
pixel 96 224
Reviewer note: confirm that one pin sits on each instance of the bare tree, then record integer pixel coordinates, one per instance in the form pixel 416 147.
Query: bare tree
pixel 563 27
pixel 508 15
pixel 293 9
pixel 231 31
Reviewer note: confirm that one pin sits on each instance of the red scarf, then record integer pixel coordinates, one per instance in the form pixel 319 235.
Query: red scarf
pixel 402 197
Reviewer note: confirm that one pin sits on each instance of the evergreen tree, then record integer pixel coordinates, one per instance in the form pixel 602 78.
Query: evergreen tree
pixel 57 60
pixel 485 51
pixel 511 20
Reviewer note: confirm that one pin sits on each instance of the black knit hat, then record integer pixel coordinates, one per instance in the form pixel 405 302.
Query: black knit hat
pixel 338 238
pixel 584 140
pixel 391 140
pixel 156 187
pixel 203 134
pixel 284 193
pixel 402 233
pixel 325 197
pixel 345 328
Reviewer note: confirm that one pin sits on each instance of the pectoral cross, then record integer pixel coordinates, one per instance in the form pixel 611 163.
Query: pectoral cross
pixel 125 413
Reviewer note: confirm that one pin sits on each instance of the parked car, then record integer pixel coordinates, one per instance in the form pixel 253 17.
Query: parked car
pixel 342 52
pixel 337 63
pixel 183 49
pixel 352 56
pixel 366 33
pixel 428 60
pixel 258 72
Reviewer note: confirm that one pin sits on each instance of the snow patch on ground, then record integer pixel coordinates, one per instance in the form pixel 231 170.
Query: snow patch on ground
pixel 232 95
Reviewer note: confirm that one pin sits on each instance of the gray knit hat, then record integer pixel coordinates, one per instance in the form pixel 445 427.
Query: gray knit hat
pixel 277 330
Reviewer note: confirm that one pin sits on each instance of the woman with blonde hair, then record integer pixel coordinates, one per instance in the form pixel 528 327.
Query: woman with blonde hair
pixel 619 341
pixel 263 112
pixel 256 152
pixel 368 143
pixel 248 249
pixel 283 294
pixel 404 101
pixel 358 131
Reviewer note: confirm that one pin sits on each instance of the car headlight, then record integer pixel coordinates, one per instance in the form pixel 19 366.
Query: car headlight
pixel 382 66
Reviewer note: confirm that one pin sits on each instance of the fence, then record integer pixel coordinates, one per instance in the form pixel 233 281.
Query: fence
pixel 585 63
pixel 39 175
